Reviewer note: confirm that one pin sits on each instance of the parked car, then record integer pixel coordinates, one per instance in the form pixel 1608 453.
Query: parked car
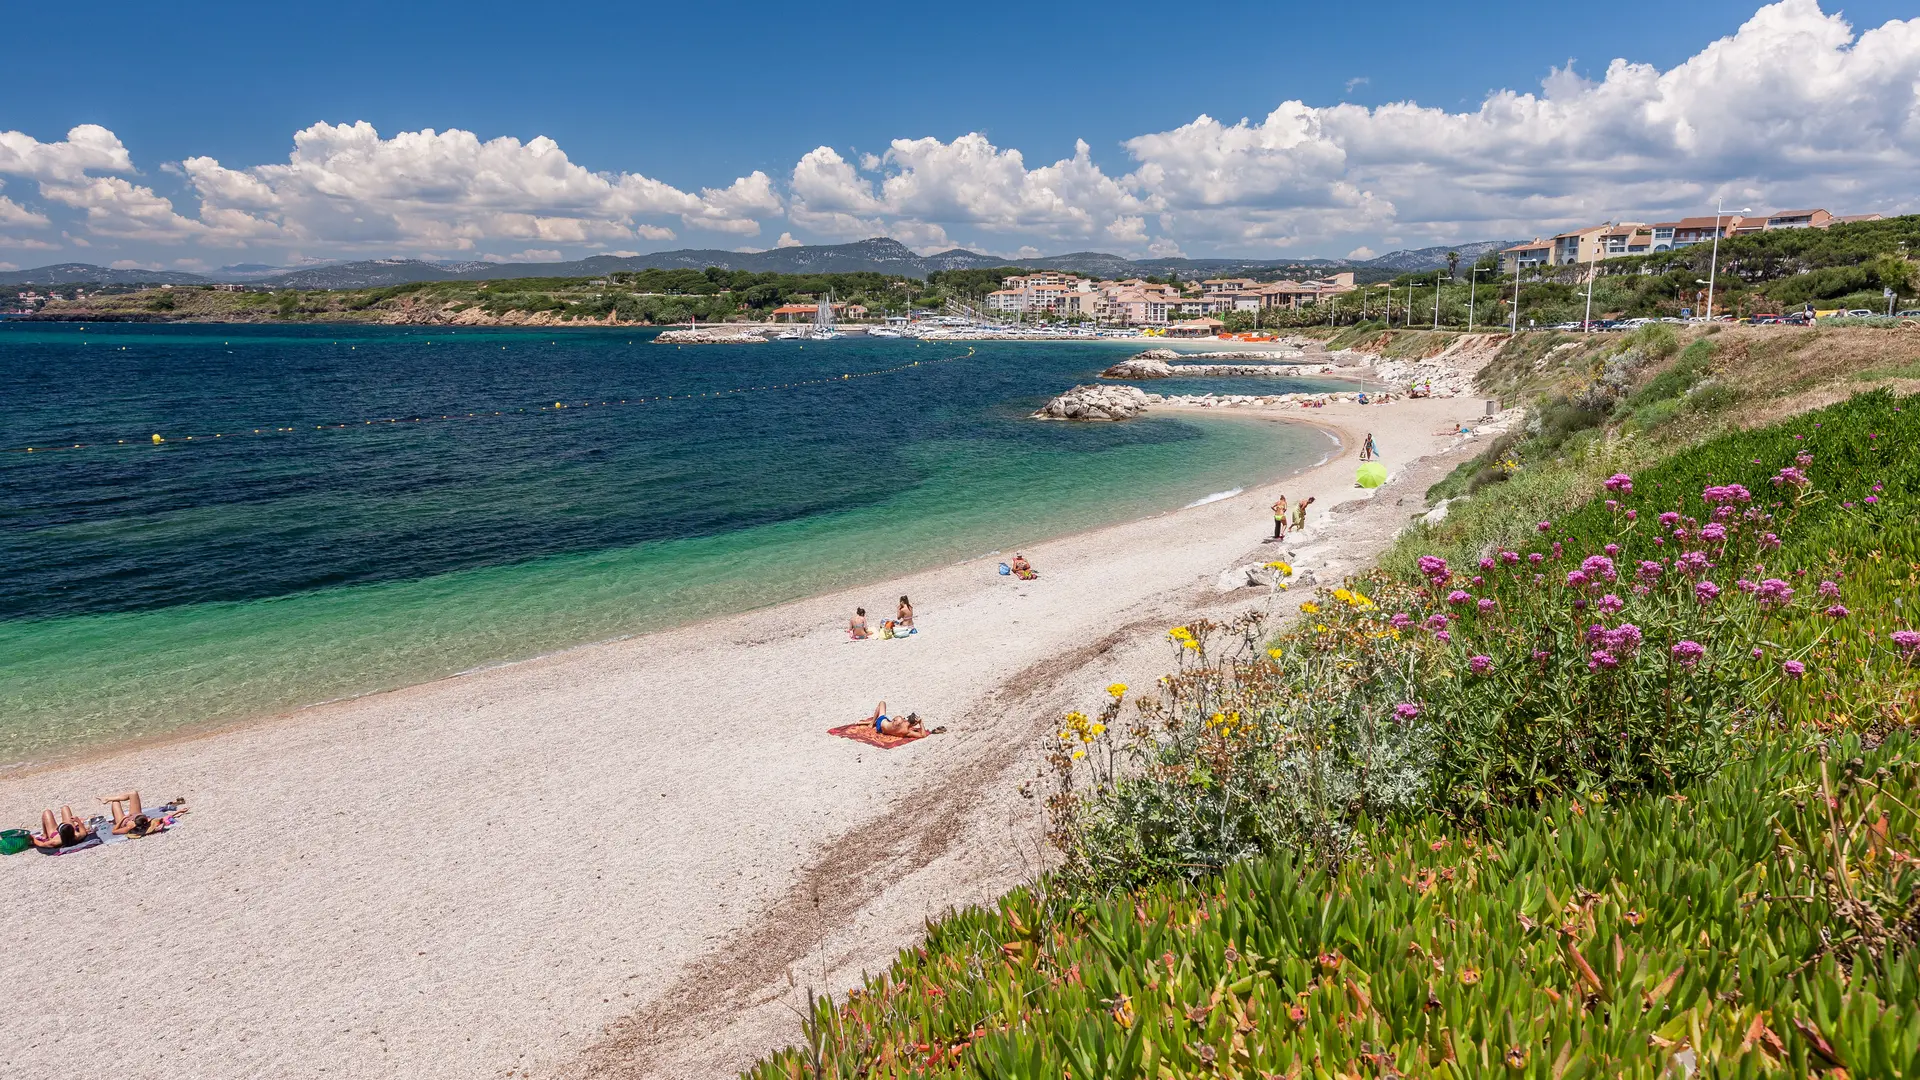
pixel 1910 313
pixel 1797 318
pixel 1762 320
pixel 1861 313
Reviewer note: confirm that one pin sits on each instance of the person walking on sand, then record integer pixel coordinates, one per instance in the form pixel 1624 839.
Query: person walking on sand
pixel 1368 451
pixel 1280 518
pixel 1300 513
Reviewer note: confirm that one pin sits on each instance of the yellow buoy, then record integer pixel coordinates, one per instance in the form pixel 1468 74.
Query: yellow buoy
pixel 157 440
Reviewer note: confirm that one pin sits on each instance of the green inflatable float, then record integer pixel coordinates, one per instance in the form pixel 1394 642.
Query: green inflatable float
pixel 1371 475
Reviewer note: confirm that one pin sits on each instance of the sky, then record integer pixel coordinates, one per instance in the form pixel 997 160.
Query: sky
pixel 236 134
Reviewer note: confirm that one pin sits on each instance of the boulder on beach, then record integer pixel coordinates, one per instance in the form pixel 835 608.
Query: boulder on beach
pixel 1097 403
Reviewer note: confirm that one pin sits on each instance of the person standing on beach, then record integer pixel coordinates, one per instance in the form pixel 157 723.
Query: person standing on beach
pixel 1367 450
pixel 1280 518
pixel 1300 513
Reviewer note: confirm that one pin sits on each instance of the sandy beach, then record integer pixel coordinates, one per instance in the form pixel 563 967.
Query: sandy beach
pixel 630 858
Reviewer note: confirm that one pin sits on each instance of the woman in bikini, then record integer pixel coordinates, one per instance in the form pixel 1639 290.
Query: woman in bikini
pixel 1021 568
pixel 904 621
pixel 857 626
pixel 63 831
pixel 130 821
pixel 901 727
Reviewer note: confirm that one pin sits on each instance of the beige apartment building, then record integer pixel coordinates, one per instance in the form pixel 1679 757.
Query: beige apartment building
pixel 1622 238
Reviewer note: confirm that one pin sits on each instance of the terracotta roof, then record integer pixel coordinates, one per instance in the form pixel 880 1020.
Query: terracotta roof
pixel 1795 213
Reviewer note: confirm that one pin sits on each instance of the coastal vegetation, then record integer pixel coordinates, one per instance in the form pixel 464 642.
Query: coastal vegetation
pixel 1844 267
pixel 1608 773
pixel 646 296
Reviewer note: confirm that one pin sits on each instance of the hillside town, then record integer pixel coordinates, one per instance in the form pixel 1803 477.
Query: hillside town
pixel 1181 311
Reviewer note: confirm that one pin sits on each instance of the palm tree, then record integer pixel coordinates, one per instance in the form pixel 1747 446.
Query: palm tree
pixel 1453 263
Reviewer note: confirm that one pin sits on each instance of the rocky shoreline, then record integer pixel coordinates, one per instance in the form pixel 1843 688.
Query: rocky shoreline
pixel 1448 374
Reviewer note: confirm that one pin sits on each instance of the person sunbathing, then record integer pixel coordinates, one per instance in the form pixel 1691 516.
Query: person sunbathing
pixel 905 619
pixel 1023 569
pixel 61 832
pixel 900 727
pixel 857 626
pixel 131 821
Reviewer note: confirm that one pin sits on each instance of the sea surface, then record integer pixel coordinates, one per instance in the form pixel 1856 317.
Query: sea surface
pixel 336 510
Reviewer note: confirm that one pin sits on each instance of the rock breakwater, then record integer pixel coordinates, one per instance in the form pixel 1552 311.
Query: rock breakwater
pixel 1098 403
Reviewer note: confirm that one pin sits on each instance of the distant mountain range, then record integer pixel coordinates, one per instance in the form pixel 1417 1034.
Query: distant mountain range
pixel 881 255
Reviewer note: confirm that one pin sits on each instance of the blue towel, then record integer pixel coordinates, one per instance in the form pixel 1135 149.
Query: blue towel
pixel 89 842
pixel 1005 570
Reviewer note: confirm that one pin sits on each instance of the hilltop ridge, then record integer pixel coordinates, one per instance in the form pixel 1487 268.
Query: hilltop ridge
pixel 879 255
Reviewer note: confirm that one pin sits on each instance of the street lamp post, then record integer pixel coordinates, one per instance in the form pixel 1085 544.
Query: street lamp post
pixel 1591 274
pixel 1436 301
pixel 1473 285
pixel 1719 210
pixel 1409 303
pixel 1514 331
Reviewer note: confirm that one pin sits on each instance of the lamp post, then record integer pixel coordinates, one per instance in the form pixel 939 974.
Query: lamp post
pixel 1409 303
pixel 1436 301
pixel 1587 325
pixel 1473 285
pixel 1719 210
pixel 1514 331
pixel 1386 303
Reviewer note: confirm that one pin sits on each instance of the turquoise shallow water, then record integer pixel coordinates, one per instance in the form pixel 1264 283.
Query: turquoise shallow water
pixel 152 587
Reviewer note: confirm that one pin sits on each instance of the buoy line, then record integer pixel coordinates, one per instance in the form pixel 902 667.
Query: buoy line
pixel 157 439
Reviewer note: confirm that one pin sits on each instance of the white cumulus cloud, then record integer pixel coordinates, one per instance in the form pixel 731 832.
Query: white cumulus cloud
pixel 920 188
pixel 1794 108
pixel 449 190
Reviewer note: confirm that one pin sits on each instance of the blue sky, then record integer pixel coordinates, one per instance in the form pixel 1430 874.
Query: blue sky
pixel 690 98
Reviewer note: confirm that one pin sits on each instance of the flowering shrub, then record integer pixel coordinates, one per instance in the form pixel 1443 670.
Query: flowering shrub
pixel 1763 925
pixel 1628 653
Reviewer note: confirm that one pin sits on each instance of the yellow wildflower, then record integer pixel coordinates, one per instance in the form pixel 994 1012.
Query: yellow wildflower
pixel 1117 689
pixel 1078 754
pixel 1275 653
pixel 1284 569
pixel 1310 608
pixel 1343 596
pixel 1098 729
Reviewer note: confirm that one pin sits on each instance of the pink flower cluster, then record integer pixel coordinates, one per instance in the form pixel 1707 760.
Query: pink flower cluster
pixel 1908 642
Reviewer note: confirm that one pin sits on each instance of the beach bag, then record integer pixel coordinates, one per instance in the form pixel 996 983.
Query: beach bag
pixel 1005 570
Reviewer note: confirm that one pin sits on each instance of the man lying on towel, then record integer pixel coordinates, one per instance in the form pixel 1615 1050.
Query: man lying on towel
pixel 900 727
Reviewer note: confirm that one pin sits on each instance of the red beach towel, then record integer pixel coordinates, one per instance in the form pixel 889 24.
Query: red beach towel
pixel 863 732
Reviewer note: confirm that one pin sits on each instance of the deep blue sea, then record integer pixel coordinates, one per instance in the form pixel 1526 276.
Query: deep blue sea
pixel 334 510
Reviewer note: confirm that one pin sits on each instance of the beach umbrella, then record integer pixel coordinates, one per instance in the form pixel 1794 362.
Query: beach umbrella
pixel 1371 475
